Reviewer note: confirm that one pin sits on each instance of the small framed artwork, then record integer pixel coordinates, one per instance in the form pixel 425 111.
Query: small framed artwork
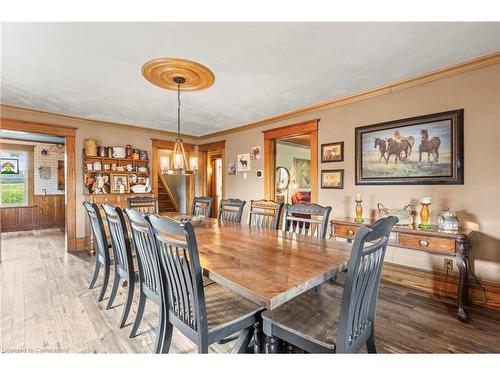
pixel 256 153
pixel 332 179
pixel 332 152
pixel 119 183
pixel 243 163
pixel 10 166
pixel 231 169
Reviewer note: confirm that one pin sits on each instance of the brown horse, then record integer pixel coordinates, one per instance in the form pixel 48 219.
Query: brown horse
pixel 382 146
pixel 398 137
pixel 396 148
pixel 431 146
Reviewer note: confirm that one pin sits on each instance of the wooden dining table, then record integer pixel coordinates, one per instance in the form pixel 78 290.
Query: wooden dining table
pixel 268 267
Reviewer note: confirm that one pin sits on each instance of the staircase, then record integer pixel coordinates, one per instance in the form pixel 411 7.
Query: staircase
pixel 166 202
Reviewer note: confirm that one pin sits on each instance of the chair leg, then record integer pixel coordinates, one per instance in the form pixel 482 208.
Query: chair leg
pixel 104 283
pixel 114 290
pixel 96 273
pixel 128 303
pixel 140 313
pixel 165 330
pixel 203 346
pixel 370 343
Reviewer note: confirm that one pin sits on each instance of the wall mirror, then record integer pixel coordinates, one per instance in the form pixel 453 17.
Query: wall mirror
pixel 282 179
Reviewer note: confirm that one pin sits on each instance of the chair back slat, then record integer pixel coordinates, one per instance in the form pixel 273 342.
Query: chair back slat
pixel 96 224
pixel 145 247
pixel 265 214
pixel 357 310
pixel 306 219
pixel 119 237
pixel 231 210
pixel 181 271
pixel 202 206
pixel 145 205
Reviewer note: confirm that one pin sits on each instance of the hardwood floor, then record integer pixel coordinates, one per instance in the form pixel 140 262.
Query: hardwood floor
pixel 46 306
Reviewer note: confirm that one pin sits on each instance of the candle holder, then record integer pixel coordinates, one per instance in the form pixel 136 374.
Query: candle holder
pixel 359 212
pixel 424 216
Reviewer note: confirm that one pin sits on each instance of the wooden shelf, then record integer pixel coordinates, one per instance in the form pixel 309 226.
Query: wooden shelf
pixel 115 159
pixel 118 172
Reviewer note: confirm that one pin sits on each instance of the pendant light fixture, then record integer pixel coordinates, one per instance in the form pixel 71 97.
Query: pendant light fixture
pixel 179 75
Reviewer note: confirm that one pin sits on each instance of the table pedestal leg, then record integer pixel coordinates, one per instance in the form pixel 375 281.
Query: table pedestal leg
pixel 257 337
pixel 272 344
pixel 463 287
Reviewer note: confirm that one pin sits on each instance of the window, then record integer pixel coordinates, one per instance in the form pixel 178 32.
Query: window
pixel 14 177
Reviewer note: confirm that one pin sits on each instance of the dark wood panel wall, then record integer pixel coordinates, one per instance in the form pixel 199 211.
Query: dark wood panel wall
pixel 47 211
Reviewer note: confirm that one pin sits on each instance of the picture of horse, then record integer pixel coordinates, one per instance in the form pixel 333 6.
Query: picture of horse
pixel 243 163
pixel 422 150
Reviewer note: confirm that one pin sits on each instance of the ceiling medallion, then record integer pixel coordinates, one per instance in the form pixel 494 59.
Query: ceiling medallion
pixel 163 71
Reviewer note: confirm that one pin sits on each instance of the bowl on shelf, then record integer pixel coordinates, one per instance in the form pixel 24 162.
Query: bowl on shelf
pixel 139 188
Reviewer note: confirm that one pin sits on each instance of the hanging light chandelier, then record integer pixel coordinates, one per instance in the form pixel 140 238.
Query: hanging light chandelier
pixel 179 75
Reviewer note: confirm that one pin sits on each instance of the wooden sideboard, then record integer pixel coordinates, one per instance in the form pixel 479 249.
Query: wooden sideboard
pixel 456 243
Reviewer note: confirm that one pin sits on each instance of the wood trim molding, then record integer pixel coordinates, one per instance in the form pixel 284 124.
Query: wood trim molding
pixel 440 284
pixel 462 67
pixel 169 145
pixel 214 146
pixel 69 162
pixel 270 136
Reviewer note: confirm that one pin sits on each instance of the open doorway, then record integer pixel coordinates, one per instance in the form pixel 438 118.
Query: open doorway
pixel 211 176
pixel 291 163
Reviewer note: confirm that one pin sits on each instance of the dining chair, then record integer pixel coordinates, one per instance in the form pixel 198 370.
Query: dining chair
pixel 202 206
pixel 101 246
pixel 265 214
pixel 122 253
pixel 231 210
pixel 149 267
pixel 203 315
pixel 318 323
pixel 147 205
pixel 309 219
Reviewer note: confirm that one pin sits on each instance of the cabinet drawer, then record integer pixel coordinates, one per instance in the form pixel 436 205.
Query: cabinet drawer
pixel 100 199
pixel 344 230
pixel 439 245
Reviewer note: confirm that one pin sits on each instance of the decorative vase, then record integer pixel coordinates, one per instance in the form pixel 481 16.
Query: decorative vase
pixel 359 212
pixel 425 214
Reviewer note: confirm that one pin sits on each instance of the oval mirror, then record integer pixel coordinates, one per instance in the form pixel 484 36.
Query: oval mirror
pixel 282 179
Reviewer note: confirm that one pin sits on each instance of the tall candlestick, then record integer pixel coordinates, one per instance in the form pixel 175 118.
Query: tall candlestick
pixel 425 213
pixel 359 210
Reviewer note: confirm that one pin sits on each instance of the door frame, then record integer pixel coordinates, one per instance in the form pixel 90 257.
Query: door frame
pixel 205 178
pixel 309 127
pixel 69 164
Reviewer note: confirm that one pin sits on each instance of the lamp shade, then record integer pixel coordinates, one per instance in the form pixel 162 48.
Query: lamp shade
pixel 164 163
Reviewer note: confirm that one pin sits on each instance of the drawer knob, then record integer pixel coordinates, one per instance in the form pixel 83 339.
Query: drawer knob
pixel 424 243
pixel 350 231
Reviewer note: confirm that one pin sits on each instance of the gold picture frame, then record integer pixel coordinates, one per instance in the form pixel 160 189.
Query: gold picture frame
pixel 115 181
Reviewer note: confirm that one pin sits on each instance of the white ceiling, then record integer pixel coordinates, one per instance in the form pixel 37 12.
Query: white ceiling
pixel 92 70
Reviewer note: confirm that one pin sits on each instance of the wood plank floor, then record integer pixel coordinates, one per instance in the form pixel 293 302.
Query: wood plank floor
pixel 46 306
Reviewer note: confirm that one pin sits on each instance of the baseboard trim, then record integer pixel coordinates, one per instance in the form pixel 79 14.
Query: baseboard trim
pixel 440 284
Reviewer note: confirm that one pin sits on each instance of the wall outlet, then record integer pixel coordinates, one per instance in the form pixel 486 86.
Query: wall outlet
pixel 448 265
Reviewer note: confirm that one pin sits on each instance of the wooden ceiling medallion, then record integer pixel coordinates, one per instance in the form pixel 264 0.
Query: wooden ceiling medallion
pixel 162 72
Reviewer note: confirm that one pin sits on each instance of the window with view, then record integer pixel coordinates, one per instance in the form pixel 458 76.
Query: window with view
pixel 14 177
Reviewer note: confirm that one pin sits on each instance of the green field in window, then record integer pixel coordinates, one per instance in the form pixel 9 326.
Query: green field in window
pixel 13 193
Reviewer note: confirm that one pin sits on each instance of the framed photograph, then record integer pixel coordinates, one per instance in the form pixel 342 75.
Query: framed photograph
pixel 332 179
pixel 119 183
pixel 332 152
pixel 422 150
pixel 302 171
pixel 243 163
pixel 256 153
pixel 9 166
pixel 231 169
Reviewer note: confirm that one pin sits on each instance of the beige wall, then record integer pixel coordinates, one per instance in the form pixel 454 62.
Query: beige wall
pixel 477 202
pixel 105 134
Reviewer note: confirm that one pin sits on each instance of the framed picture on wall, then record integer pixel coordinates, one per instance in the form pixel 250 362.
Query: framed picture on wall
pixel 332 152
pixel 332 179
pixel 119 183
pixel 419 151
pixel 243 163
pixel 302 170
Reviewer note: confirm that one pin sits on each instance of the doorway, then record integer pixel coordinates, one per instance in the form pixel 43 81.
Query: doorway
pixel 211 176
pixel 291 163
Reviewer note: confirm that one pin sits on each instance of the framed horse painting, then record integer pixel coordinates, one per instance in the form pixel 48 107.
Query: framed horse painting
pixel 422 150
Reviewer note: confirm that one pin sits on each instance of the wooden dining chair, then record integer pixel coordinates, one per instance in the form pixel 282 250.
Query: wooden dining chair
pixel 318 323
pixel 202 206
pixel 148 205
pixel 149 267
pixel 265 214
pixel 122 253
pixel 101 246
pixel 231 210
pixel 204 315
pixel 306 219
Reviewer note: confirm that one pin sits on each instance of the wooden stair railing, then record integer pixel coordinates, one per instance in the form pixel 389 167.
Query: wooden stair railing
pixel 166 201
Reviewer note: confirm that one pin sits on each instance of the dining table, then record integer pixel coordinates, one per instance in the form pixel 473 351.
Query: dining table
pixel 266 266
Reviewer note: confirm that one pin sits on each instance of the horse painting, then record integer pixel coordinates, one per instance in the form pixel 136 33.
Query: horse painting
pixel 431 146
